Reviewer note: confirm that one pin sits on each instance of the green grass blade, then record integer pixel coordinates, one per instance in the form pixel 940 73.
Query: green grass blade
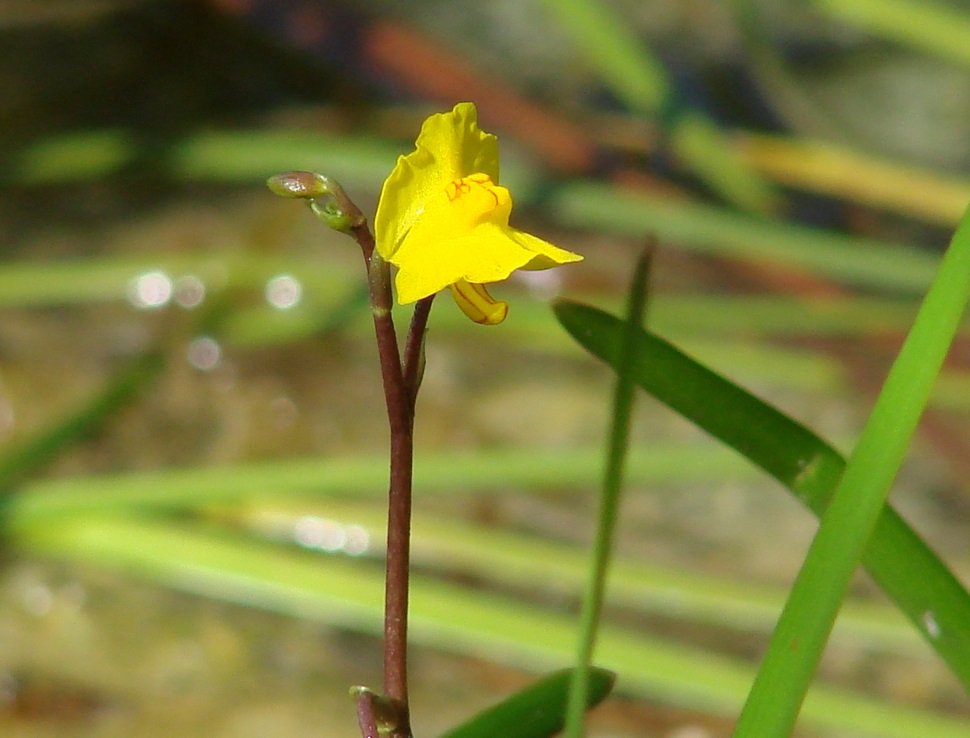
pixel 222 156
pixel 534 712
pixel 939 28
pixel 618 442
pixel 710 154
pixel 799 639
pixel 628 68
pixel 639 80
pixel 785 449
pixel 73 281
pixel 72 157
pixel 347 593
pixel 534 564
pixel 706 229
pixel 42 447
pixel 899 561
pixel 238 156
pixel 241 157
pixel 551 470
pixel 39 283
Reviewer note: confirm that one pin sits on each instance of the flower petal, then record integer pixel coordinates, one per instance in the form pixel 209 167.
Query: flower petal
pixel 545 255
pixel 427 264
pixel 463 233
pixel 449 147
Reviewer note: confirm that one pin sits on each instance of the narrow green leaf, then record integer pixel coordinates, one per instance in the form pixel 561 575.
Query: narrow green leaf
pixel 605 208
pixel 481 552
pixel 241 157
pixel 609 45
pixel 938 28
pixel 42 447
pixel 799 639
pixel 623 397
pixel 444 615
pixel 542 470
pixel 896 557
pixel 534 712
pixel 77 281
pixel 710 154
pixel 612 47
pixel 785 449
pixel 485 554
pixel 76 156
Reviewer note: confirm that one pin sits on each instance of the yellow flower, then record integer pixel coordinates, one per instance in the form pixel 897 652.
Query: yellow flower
pixel 443 220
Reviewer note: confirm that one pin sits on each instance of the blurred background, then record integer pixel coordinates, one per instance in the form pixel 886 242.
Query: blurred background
pixel 191 421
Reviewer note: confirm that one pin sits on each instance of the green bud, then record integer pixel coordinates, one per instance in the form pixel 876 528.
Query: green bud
pixel 299 184
pixel 386 711
pixel 331 214
pixel 339 211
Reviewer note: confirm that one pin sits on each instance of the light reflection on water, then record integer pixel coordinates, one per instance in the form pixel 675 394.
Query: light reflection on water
pixel 155 289
pixel 283 291
pixel 189 291
pixel 204 353
pixel 150 290
pixel 314 532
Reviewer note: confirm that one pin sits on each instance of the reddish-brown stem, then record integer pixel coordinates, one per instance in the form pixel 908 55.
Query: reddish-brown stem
pixel 365 240
pixel 398 569
pixel 414 349
pixel 399 398
pixel 400 390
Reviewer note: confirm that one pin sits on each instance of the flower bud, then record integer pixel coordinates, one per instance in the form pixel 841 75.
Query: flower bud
pixel 331 214
pixel 299 184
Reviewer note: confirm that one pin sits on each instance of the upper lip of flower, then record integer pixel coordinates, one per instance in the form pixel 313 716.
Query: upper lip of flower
pixel 450 146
